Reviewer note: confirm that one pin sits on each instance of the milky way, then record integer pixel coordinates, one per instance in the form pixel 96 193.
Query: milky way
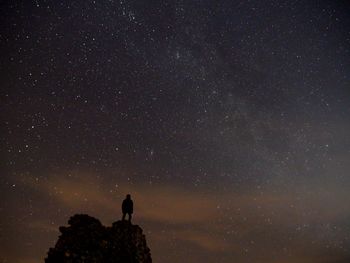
pixel 228 122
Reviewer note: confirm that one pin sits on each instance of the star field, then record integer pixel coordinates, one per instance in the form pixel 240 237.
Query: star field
pixel 227 122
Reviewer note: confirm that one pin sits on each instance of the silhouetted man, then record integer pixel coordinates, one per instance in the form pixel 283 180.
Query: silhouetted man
pixel 127 207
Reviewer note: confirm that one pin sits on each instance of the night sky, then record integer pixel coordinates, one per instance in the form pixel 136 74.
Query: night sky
pixel 228 123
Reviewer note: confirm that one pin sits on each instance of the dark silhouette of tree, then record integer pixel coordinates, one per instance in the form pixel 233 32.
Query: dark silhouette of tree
pixel 86 240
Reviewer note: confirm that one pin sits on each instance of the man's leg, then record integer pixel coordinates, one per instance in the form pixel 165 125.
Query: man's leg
pixel 130 217
pixel 123 217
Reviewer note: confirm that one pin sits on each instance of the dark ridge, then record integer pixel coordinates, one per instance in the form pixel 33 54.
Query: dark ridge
pixel 87 240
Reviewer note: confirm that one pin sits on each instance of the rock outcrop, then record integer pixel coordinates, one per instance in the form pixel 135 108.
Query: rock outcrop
pixel 87 240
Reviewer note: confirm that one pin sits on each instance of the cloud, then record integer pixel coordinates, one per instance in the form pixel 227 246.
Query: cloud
pixel 163 204
pixel 202 239
pixel 42 226
pixel 297 222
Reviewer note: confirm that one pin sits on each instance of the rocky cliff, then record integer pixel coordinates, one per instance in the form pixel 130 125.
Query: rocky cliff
pixel 87 240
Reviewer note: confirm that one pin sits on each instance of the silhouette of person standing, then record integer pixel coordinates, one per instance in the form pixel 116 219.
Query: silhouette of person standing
pixel 127 207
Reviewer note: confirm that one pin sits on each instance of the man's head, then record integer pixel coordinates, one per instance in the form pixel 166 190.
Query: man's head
pixel 128 196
